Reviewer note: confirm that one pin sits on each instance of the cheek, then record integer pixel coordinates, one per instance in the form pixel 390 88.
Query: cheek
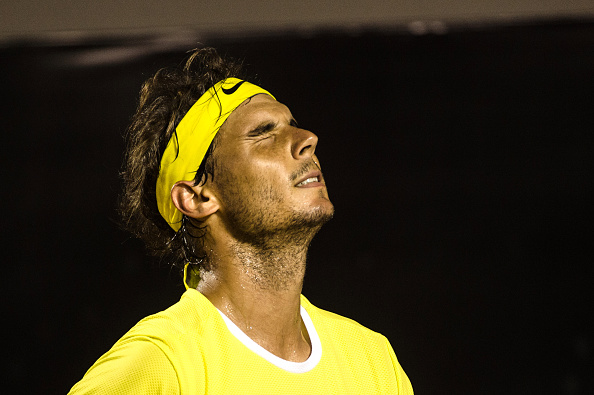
pixel 260 168
pixel 252 177
pixel 266 169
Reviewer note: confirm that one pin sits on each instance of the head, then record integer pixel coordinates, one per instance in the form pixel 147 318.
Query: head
pixel 269 191
pixel 249 184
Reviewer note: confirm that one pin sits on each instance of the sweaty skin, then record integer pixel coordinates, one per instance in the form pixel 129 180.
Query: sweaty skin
pixel 261 210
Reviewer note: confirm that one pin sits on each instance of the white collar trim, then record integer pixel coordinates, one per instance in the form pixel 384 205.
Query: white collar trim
pixel 291 367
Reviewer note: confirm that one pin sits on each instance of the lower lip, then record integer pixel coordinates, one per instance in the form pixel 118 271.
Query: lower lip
pixel 312 185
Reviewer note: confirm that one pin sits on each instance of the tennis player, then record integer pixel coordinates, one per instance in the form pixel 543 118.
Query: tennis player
pixel 221 181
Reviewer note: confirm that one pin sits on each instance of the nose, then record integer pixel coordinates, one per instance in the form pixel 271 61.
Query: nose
pixel 304 144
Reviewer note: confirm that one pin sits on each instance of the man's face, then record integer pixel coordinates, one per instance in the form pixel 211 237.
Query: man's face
pixel 268 179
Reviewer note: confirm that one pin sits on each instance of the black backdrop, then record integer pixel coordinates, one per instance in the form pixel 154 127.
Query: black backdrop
pixel 460 166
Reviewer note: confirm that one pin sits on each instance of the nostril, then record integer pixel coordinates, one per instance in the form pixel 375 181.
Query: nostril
pixel 304 150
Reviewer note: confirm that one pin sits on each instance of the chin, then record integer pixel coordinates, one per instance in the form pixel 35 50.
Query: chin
pixel 320 214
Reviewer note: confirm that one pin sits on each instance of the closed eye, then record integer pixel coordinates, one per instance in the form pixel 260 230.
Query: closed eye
pixel 263 128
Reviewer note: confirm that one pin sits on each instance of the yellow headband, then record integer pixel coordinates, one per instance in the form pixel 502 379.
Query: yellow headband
pixel 195 132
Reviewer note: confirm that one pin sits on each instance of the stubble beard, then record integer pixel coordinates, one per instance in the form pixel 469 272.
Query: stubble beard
pixel 271 241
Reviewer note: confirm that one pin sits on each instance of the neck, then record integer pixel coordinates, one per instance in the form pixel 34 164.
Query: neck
pixel 258 287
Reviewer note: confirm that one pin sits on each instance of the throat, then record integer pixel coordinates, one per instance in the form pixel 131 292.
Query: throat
pixel 258 287
pixel 259 290
pixel 270 268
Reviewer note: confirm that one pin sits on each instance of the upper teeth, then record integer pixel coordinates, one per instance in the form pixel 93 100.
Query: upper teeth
pixel 311 179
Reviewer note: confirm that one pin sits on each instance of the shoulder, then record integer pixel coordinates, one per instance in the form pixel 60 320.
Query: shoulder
pixel 130 366
pixel 346 336
pixel 188 316
pixel 369 351
pixel 335 323
pixel 155 354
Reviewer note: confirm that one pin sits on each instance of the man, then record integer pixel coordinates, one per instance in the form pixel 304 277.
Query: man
pixel 220 180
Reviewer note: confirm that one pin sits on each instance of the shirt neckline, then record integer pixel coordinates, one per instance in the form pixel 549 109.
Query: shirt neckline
pixel 289 366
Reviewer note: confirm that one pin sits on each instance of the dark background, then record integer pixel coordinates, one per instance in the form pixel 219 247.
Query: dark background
pixel 460 166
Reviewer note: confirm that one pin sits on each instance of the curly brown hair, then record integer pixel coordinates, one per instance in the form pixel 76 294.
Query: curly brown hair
pixel 164 100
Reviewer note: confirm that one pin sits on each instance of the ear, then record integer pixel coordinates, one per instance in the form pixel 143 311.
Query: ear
pixel 195 201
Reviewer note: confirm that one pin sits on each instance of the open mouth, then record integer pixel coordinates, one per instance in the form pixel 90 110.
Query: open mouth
pixel 313 178
pixel 308 181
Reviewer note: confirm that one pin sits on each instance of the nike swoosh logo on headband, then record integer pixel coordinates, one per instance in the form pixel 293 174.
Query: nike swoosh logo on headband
pixel 232 90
